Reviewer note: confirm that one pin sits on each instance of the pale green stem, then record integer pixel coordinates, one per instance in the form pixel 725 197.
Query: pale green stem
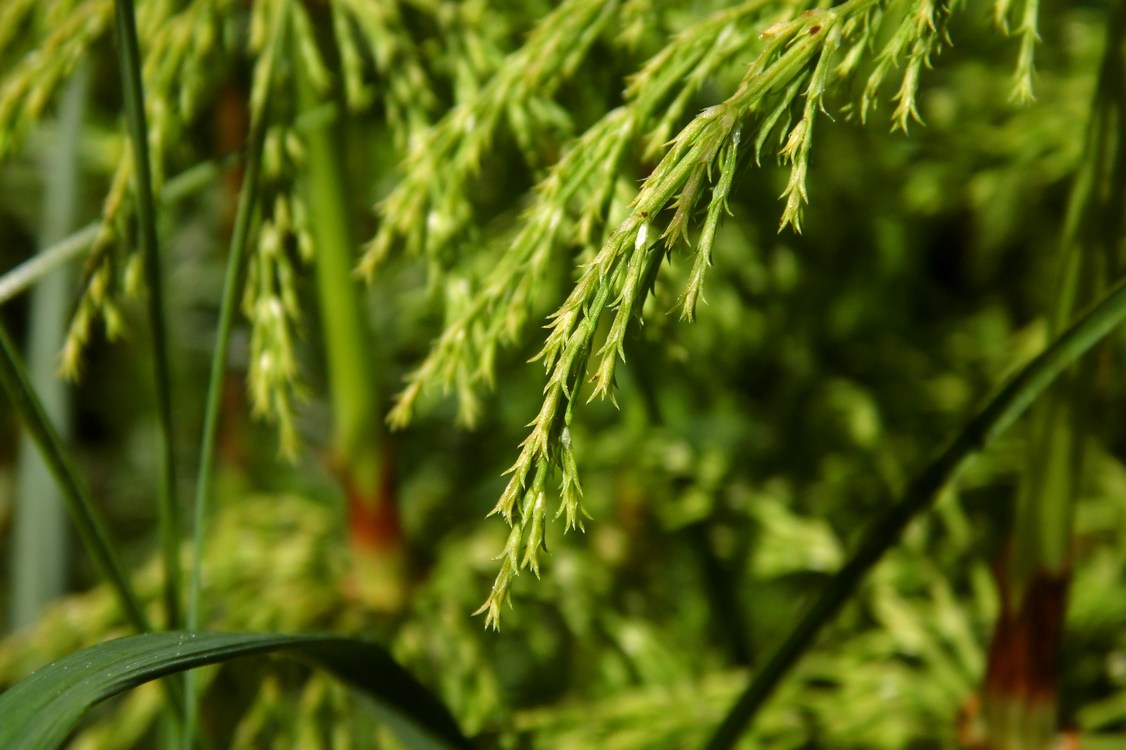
pixel 348 349
pixel 188 182
pixel 39 538
pixel 247 203
pixel 359 448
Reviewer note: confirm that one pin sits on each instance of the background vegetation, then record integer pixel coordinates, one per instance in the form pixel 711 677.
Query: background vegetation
pixel 766 312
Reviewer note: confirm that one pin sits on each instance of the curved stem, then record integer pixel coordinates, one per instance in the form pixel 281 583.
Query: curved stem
pixel 83 513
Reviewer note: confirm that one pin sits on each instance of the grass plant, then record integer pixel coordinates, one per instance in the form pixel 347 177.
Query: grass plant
pixel 796 497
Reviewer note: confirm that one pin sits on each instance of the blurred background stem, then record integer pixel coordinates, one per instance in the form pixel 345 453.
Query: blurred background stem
pixel 360 447
pixel 40 540
pixel 1022 683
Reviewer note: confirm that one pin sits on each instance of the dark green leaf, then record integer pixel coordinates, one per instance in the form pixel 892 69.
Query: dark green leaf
pixel 41 710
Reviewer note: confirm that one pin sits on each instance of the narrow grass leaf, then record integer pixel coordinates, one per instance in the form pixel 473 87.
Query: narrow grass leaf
pixel 130 63
pixel 240 238
pixel 41 710
pixel 83 513
pixel 1000 413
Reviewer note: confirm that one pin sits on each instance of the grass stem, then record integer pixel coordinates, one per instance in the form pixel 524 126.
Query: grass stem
pixel 999 414
pixel 130 63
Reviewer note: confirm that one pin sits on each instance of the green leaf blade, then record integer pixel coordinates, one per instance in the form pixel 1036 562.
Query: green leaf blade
pixel 41 710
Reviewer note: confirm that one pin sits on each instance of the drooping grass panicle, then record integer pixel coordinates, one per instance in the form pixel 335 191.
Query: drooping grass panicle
pixel 271 306
pixel 70 27
pixel 378 32
pixel 182 67
pixel 693 292
pixel 800 139
pixel 1026 17
pixel 15 16
pixel 705 150
pixel 430 207
pixel 918 34
pixel 1026 59
pixel 178 69
pixel 615 272
pixel 283 241
pixel 496 313
pixel 798 55
pixel 664 86
pixel 484 315
pixel 797 62
pixel 100 284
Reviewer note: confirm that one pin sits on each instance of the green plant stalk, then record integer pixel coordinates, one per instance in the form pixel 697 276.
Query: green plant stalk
pixel 26 274
pixel 358 441
pixel 244 217
pixel 130 63
pixel 39 536
pixel 1042 527
pixel 1042 538
pixel 1021 691
pixel 1010 403
pixel 83 513
pixel 354 404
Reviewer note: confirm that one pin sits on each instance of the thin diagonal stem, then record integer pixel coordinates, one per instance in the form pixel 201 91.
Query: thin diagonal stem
pixel 83 513
pixel 248 200
pixel 130 60
pixel 191 180
pixel 999 414
pixel 232 282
